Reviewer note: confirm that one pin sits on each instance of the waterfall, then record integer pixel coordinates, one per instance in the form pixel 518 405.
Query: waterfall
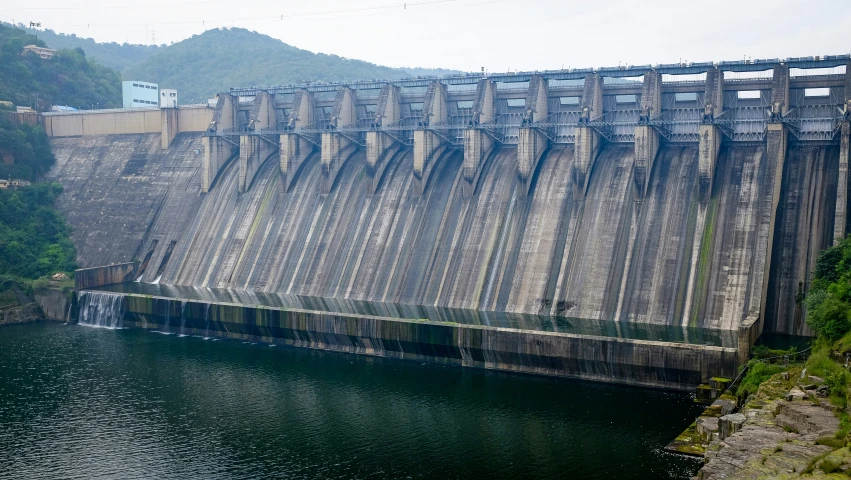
pixel 167 318
pixel 101 309
pixel 207 322
pixel 182 318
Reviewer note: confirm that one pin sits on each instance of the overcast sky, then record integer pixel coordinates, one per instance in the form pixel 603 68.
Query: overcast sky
pixel 469 34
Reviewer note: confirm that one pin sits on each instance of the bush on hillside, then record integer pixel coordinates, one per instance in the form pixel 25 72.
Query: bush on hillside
pixel 829 300
pixel 33 235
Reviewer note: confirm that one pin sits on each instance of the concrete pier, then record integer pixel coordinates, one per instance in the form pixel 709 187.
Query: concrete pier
pixel 297 148
pixel 777 140
pixel 382 146
pixel 170 126
pixel 588 141
pixel 840 226
pixel 647 138
pixel 430 146
pixel 338 147
pixel 710 134
pixel 532 143
pixel 218 150
pixel 478 141
pixel 254 148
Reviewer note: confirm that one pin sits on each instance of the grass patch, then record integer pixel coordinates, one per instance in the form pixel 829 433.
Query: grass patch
pixel 763 352
pixel 834 443
pixel 821 365
pixel 758 372
pixel 812 465
pixel 830 465
pixel 844 425
pixel 44 283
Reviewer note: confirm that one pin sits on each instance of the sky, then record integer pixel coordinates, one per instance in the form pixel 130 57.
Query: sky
pixel 499 35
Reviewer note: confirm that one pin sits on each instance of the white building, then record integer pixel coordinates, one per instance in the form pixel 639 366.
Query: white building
pixel 168 98
pixel 140 94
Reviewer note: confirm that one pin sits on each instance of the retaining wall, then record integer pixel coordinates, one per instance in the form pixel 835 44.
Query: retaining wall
pixel 123 121
pixel 618 360
pixel 106 275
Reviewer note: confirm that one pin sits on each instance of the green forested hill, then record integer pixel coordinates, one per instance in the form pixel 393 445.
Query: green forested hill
pixel 113 55
pixel 69 78
pixel 218 59
pixel 33 235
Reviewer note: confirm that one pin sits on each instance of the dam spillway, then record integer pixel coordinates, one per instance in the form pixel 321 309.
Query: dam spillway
pixel 631 196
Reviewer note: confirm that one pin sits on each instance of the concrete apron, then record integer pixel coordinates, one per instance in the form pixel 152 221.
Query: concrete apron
pixel 658 364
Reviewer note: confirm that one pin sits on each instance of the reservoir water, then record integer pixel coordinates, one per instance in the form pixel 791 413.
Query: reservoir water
pixel 80 402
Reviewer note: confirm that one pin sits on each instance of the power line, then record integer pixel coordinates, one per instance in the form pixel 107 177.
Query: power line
pixel 403 6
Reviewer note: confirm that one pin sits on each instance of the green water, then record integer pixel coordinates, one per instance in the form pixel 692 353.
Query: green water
pixel 81 402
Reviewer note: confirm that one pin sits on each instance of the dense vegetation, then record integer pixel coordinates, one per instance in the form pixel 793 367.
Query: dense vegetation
pixel 33 235
pixel 109 54
pixel 34 238
pixel 69 78
pixel 829 297
pixel 30 149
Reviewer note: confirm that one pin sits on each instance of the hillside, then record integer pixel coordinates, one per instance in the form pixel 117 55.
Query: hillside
pixel 34 237
pixel 218 59
pixel 69 78
pixel 113 55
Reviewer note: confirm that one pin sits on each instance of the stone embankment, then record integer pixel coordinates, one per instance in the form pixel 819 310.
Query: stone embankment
pixel 51 301
pixel 20 314
pixel 786 430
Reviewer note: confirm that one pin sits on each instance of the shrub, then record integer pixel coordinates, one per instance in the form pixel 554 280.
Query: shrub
pixel 834 443
pixel 830 465
pixel 758 372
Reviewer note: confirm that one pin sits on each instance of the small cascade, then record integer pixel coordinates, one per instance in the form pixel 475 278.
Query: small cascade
pixel 157 280
pixel 101 310
pixel 207 322
pixel 68 313
pixel 182 318
pixel 165 328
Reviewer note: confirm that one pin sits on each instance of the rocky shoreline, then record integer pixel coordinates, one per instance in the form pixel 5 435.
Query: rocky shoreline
pixel 786 430
pixel 50 302
pixel 20 314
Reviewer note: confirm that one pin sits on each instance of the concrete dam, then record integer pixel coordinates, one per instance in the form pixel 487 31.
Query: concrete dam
pixel 631 224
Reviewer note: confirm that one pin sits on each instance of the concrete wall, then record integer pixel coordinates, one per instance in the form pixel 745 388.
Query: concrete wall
pixel 194 119
pixel 637 362
pixel 106 275
pixel 124 121
pixel 55 303
pixel 103 122
pixel 118 187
